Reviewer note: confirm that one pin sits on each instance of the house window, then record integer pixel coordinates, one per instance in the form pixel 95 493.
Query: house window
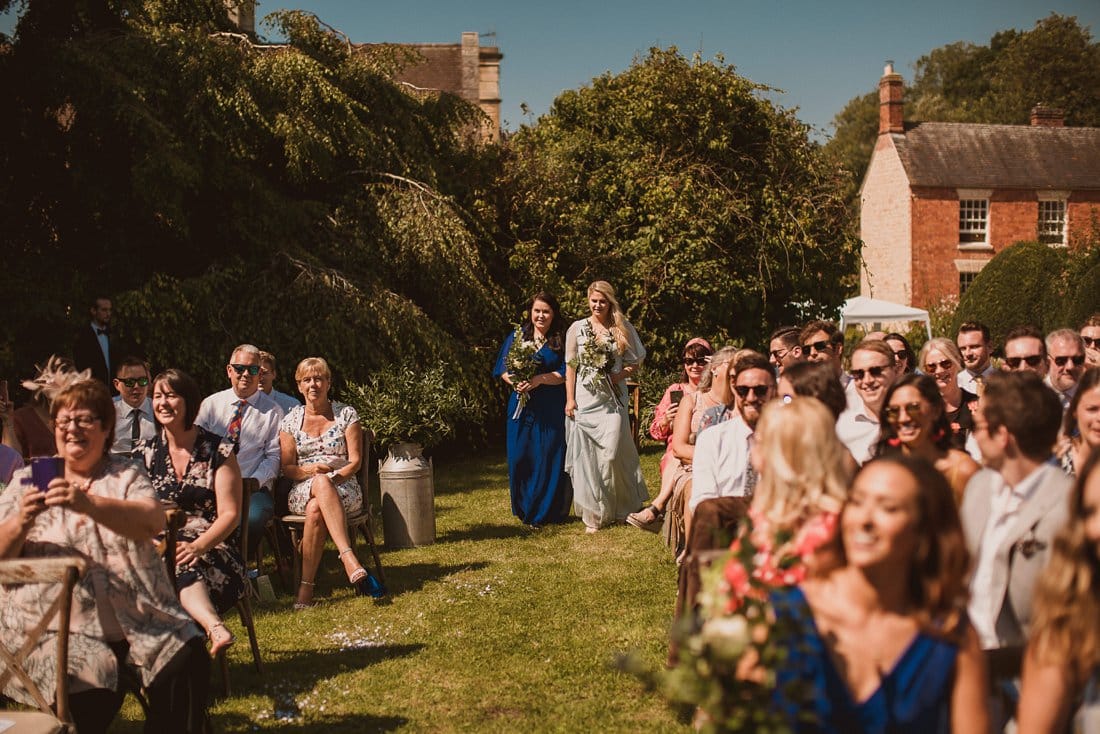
pixel 965 280
pixel 1052 222
pixel 973 221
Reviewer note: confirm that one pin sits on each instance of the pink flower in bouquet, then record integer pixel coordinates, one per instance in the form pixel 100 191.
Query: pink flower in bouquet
pixel 818 530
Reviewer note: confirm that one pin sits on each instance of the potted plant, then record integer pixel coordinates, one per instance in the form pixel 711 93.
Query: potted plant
pixel 408 410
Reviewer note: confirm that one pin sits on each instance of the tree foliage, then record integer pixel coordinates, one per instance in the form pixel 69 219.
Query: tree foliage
pixel 706 206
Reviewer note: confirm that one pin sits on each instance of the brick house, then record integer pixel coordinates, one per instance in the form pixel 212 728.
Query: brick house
pixel 940 199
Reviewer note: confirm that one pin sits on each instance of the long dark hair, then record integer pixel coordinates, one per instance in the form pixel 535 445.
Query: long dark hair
pixel 1088 381
pixel 555 337
pixel 184 385
pixel 941 427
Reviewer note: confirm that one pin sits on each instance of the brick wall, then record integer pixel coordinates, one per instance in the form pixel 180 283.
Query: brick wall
pixel 1013 217
pixel 935 245
pixel 884 227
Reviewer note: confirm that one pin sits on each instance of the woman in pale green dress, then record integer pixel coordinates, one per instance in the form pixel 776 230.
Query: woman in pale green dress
pixel 601 352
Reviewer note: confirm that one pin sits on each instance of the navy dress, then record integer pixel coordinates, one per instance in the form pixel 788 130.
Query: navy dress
pixel 541 491
pixel 914 697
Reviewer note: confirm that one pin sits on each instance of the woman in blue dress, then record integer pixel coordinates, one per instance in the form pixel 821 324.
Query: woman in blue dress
pixel 541 491
pixel 882 639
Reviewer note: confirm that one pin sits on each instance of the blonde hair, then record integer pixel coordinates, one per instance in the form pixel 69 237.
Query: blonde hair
pixel 946 347
pixel 618 329
pixel 723 355
pixel 311 365
pixel 805 471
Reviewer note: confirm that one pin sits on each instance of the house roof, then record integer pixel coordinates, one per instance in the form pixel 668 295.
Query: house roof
pixel 968 155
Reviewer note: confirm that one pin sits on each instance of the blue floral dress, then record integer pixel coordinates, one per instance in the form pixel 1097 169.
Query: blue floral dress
pixel 220 568
pixel 331 448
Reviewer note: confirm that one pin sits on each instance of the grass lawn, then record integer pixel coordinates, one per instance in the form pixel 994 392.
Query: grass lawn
pixel 494 628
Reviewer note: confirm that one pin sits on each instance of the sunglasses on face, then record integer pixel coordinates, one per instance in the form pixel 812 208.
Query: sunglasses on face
pixel 901 354
pixel 1032 360
pixel 1090 342
pixel 933 367
pixel 821 346
pixel 132 381
pixel 688 361
pixel 760 391
pixel 240 369
pixel 778 354
pixel 875 372
pixel 893 413
pixel 1076 359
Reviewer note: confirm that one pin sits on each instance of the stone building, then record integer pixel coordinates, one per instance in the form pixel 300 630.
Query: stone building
pixel 940 199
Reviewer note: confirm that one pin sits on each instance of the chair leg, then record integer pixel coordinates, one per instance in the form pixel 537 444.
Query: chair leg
pixel 223 663
pixel 296 548
pixel 368 535
pixel 244 608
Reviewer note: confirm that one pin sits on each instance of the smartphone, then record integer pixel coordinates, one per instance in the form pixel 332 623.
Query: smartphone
pixel 44 469
pixel 676 396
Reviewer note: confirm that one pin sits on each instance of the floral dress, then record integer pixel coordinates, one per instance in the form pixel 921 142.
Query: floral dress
pixel 331 448
pixel 221 567
pixel 124 597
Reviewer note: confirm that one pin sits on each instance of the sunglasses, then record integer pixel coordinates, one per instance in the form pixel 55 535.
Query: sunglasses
pixel 933 367
pixel 1090 342
pixel 688 361
pixel 893 413
pixel 821 346
pixel 778 354
pixel 1033 360
pixel 901 354
pixel 240 369
pixel 760 391
pixel 132 381
pixel 875 372
pixel 1076 359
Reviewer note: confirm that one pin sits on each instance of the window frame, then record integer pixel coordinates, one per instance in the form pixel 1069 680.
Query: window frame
pixel 1058 198
pixel 978 199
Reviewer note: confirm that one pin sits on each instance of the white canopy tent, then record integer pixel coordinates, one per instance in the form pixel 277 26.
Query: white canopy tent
pixel 864 310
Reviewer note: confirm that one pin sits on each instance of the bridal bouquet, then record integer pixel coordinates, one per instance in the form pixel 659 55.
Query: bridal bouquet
pixel 523 364
pixel 595 361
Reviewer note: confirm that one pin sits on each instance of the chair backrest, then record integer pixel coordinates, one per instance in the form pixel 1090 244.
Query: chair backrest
pixel 65 571
pixel 248 486
pixel 364 468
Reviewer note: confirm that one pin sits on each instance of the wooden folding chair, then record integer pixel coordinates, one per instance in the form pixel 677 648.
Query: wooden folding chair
pixel 64 571
pixel 361 522
pixel 244 604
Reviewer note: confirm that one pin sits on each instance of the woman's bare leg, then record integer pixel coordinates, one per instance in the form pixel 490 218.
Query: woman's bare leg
pixel 328 500
pixel 314 536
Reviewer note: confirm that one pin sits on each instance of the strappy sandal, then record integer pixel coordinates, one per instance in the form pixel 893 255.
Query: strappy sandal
pixel 300 605
pixel 364 582
pixel 220 638
pixel 652 523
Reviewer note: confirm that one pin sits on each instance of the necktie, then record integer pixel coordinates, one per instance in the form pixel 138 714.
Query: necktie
pixel 234 431
pixel 135 428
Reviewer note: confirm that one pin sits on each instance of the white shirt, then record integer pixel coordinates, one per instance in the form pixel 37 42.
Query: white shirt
pixel 258 449
pixel 851 392
pixel 721 467
pixel 1065 398
pixel 286 402
pixel 124 421
pixel 1006 502
pixel 969 380
pixel 858 432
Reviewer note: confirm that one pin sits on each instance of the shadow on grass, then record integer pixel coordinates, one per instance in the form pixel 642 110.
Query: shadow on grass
pixel 352 723
pixel 413 577
pixel 486 531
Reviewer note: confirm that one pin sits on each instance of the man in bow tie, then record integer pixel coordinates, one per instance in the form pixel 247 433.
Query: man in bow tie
pixel 1011 512
pixel 92 350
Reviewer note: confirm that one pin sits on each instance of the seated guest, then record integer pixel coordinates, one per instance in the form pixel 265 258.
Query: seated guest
pixel 198 471
pixel 823 342
pixel 1063 652
pixel 940 358
pixel 1065 363
pixel 697 354
pixel 124 611
pixel 914 422
pixel 322 447
pixel 873 372
pixel 10 461
pixel 881 640
pixel 1090 337
pixel 784 349
pixel 133 408
pixel 976 349
pixel 1011 512
pixel 907 361
pixel 1081 425
pixel 249 418
pixel 31 433
pixel 814 380
pixel 267 383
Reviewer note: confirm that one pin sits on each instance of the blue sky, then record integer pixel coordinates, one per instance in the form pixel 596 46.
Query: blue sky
pixel 821 54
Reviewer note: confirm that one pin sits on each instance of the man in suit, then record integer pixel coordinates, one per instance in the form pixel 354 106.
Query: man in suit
pixel 92 349
pixel 1011 511
pixel 133 408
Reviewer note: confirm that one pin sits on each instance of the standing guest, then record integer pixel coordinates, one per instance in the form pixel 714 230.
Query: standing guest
pixel 32 433
pixel 784 348
pixel 903 353
pixel 1065 363
pixel 322 449
pixel 92 348
pixel 880 640
pixel 974 343
pixel 914 422
pixel 540 488
pixel 940 358
pixel 874 369
pixel 601 353
pixel 1090 337
pixel 1025 350
pixel 1081 425
pixel 267 383
pixel 1063 653
pixel 1011 512
pixel 133 408
pixel 198 472
pixel 124 609
pixel 249 418
pixel 697 357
